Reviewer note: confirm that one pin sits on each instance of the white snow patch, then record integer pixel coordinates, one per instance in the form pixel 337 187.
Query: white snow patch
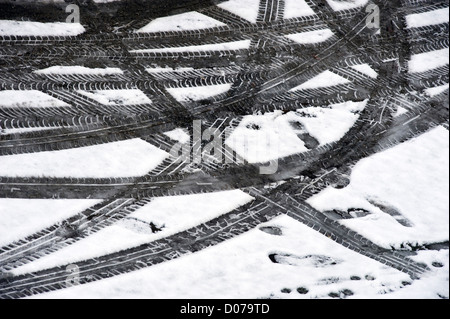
pixel 119 159
pixel 178 135
pixel 262 138
pixel 23 217
pixel 198 93
pixel 182 22
pixel 29 99
pixel 420 166
pixel 315 36
pixel 436 90
pixel 339 5
pixel 172 214
pixel 24 130
pixel 400 111
pixel 328 125
pixel 79 70
pixel 168 69
pixel 429 60
pixel 241 269
pixel 366 69
pixel 245 9
pixel 118 97
pixel 297 8
pixel 228 46
pixel 427 18
pixel 324 79
pixel 28 28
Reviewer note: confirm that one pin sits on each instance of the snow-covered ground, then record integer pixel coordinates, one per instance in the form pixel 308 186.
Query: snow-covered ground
pixel 316 36
pixel 339 5
pixel 241 268
pixel 324 79
pixel 411 181
pixel 227 46
pixel 30 98
pixel 297 8
pixel 245 9
pixel 181 22
pixel 118 97
pixel 366 69
pixel 198 93
pixel 128 158
pixel 262 138
pixel 24 28
pixel 172 214
pixel 427 18
pixel 23 217
pixel 429 60
pixel 59 69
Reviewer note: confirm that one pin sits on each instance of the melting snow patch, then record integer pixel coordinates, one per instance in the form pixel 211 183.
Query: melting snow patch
pixel 178 135
pixel 366 69
pixel 79 70
pixel 339 5
pixel 198 93
pixel 23 217
pixel 119 159
pixel 427 18
pixel 262 138
pixel 421 166
pixel 245 9
pixel 297 8
pixel 315 36
pixel 228 46
pixel 24 130
pixel 168 214
pixel 429 60
pixel 436 90
pixel 324 79
pixel 182 22
pixel 28 99
pixel 328 125
pixel 118 97
pixel 28 28
pixel 241 269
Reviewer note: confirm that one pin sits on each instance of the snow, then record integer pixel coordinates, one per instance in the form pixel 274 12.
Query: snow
pixel 23 217
pixel 24 130
pixel 227 46
pixel 315 36
pixel 118 97
pixel 436 90
pixel 79 70
pixel 297 8
pixel 366 69
pixel 245 9
pixel 328 125
pixel 429 60
pixel 168 69
pixel 413 178
pixel 262 138
pixel 182 22
pixel 273 138
pixel 240 269
pixel 174 214
pixel 128 158
pixel 324 79
pixel 178 135
pixel 198 93
pixel 28 99
pixel 339 5
pixel 427 18
pixel 28 28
